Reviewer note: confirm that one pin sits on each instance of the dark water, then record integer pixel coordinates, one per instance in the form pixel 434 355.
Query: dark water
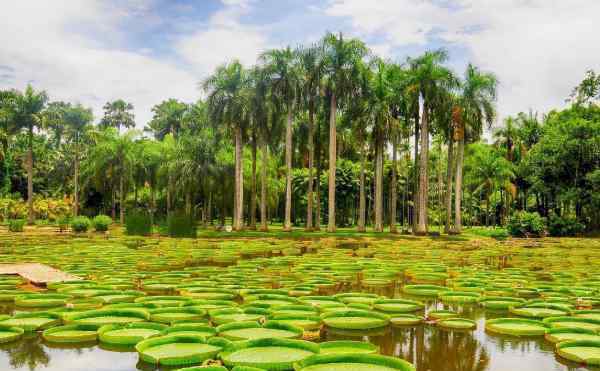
pixel 427 347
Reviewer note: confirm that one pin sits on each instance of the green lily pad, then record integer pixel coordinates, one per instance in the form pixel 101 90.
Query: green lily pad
pixel 348 346
pixel 253 330
pixel 516 327
pixel 397 306
pixel 178 350
pixel 457 324
pixel 354 362
pixel 8 333
pixel 581 351
pixel 557 335
pixel 355 319
pixel 129 334
pixel 71 334
pixel 268 354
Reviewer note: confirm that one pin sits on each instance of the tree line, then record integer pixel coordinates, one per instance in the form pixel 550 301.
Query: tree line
pixel 321 134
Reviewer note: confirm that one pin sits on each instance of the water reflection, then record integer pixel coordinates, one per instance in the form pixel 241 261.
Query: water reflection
pixel 28 352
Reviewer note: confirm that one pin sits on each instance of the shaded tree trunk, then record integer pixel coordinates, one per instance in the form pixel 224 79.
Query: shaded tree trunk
pixel 152 203
pixel 416 176
pixel 458 185
pixel 113 211
pixel 239 182
pixel 188 202
pixel 122 199
pixel 332 164
pixel 253 187
pixel 379 184
pixel 30 214
pixel 263 187
pixel 393 188
pixel 449 178
pixel 311 159
pixel 362 200
pixel 287 224
pixel 423 174
pixel 76 186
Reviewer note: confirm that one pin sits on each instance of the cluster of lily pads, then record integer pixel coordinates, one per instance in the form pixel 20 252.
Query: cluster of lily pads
pixel 262 304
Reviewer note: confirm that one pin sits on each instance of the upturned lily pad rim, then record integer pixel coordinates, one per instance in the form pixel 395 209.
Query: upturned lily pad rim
pixel 263 343
pixel 363 347
pixel 562 350
pixel 105 337
pixel 384 319
pixel 53 334
pixel 175 360
pixel 17 333
pixel 540 331
pixel 390 362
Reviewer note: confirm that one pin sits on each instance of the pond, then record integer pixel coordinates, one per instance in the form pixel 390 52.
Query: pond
pixel 305 268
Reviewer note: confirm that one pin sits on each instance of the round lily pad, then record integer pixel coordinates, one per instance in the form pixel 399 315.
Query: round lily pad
pixel 573 322
pixel 8 333
pixel 581 351
pixel 556 335
pixel 176 314
pixel 457 324
pixel 354 362
pixel 42 300
pixel 441 314
pixel 253 330
pixel 424 290
pixel 129 334
pixel 33 321
pixel 588 313
pixel 71 334
pixel 190 329
pixel 461 297
pixel 500 302
pixel 537 312
pixel 405 320
pixel 348 346
pixel 178 350
pixel 101 317
pixel 397 306
pixel 516 327
pixel 355 319
pixel 268 354
pixel 305 322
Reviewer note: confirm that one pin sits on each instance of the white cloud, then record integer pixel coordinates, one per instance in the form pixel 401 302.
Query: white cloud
pixel 539 49
pixel 224 38
pixel 41 43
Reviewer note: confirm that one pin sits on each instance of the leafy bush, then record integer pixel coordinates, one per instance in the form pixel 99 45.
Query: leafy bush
pixel 101 223
pixel 51 209
pixel 181 226
pixel 80 224
pixel 138 224
pixel 16 225
pixel 63 223
pixel 525 224
pixel 562 226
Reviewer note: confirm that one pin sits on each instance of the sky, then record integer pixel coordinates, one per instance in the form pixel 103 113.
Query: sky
pixel 146 51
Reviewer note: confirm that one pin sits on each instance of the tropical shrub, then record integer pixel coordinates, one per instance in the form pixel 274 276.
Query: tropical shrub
pixel 526 224
pixel 44 208
pixel 63 223
pixel 101 223
pixel 138 224
pixel 562 226
pixel 16 225
pixel 181 226
pixel 80 224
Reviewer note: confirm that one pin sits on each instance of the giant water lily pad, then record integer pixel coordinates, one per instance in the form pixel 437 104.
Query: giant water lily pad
pixel 129 334
pixel 348 346
pixel 573 322
pixel 354 362
pixel 102 317
pixel 516 327
pixel 42 300
pixel 557 335
pixel 33 321
pixel 253 330
pixel 457 324
pixel 397 305
pixel 178 350
pixel 355 319
pixel 424 290
pixel 581 351
pixel 190 329
pixel 176 314
pixel 8 333
pixel 268 354
pixel 71 334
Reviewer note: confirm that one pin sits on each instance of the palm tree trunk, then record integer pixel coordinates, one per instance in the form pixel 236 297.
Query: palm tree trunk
pixel 263 187
pixel 332 164
pixel 393 190
pixel 253 187
pixel 7 162
pixel 152 203
pixel 30 216
pixel 317 226
pixel 76 186
pixel 416 175
pixel 311 159
pixel 168 196
pixel 287 225
pixel 122 199
pixel 113 211
pixel 423 175
pixel 362 201
pixel 188 203
pixel 239 182
pixel 449 177
pixel 379 185
pixel 458 186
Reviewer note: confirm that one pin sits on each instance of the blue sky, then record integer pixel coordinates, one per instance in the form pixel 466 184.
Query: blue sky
pixel 92 51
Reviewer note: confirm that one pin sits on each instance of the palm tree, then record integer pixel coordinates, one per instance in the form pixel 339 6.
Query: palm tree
pixel 507 137
pixel 29 107
pixel 431 80
pixel 118 114
pixel 341 61
pixel 226 104
pixel 283 76
pixel 77 120
pixel 7 130
pixel 476 103
pixel 168 118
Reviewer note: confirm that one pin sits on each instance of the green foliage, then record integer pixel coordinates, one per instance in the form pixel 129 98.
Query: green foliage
pixel 80 224
pixel 181 226
pixel 63 223
pixel 525 224
pixel 16 225
pixel 138 224
pixel 101 223
pixel 563 226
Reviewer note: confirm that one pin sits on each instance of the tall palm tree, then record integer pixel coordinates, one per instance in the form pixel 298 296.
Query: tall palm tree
pixel 118 114
pixel 507 137
pixel 476 102
pixel 226 104
pixel 311 70
pixel 29 107
pixel 284 80
pixel 430 79
pixel 341 61
pixel 77 120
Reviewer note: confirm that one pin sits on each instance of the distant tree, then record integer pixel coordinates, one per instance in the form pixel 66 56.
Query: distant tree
pixel 118 114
